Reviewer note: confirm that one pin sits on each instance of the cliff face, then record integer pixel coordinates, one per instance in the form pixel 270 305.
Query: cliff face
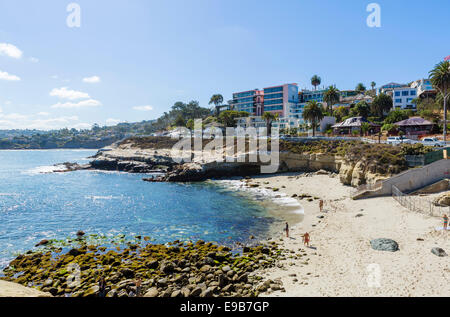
pixel 128 158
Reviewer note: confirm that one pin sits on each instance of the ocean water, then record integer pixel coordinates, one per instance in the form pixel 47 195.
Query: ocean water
pixel 37 204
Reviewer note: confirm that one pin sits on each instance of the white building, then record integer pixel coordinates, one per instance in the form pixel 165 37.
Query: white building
pixel 424 88
pixel 402 98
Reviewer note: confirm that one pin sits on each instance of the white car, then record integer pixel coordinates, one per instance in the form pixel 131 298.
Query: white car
pixel 433 142
pixel 396 140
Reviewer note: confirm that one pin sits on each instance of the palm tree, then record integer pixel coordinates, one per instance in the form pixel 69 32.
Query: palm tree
pixel 440 78
pixel 360 88
pixel 313 113
pixel 331 97
pixel 217 100
pixel 269 117
pixel 373 85
pixel 315 81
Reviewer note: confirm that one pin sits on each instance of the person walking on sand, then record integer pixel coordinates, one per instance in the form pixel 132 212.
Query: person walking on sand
pixel 306 239
pixel 445 222
pixel 102 287
pixel 321 205
pixel 287 230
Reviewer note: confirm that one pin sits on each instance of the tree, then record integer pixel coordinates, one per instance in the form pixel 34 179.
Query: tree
pixel 389 128
pixel 217 100
pixel 190 124
pixel 228 117
pixel 396 116
pixel 373 85
pixel 313 113
pixel 331 96
pixel 340 113
pixel 269 117
pixel 440 78
pixel 361 109
pixel 365 127
pixel 381 104
pixel 315 81
pixel 180 122
pixel 360 88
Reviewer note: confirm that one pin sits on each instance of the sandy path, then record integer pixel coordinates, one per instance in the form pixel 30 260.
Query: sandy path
pixel 343 263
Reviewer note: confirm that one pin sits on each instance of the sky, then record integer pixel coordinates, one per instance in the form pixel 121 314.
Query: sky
pixel 132 60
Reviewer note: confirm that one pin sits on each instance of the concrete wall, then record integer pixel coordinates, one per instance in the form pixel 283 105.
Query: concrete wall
pixel 414 179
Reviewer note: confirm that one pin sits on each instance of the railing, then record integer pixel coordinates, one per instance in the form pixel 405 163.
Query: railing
pixel 425 159
pixel 419 204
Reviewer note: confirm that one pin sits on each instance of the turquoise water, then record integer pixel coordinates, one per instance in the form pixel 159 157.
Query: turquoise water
pixel 36 206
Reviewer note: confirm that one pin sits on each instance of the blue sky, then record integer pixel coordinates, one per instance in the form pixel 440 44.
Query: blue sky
pixel 132 60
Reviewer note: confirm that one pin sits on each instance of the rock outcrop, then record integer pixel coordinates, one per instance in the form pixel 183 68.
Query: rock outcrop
pixel 159 160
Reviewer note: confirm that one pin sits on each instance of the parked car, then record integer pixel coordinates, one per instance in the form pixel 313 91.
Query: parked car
pixel 433 142
pixel 396 140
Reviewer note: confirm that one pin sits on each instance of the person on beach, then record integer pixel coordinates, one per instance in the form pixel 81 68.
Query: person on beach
pixel 306 239
pixel 445 222
pixel 321 205
pixel 287 230
pixel 102 287
pixel 138 284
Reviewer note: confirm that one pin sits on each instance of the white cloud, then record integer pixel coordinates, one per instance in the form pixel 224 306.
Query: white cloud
pixel 113 121
pixel 43 113
pixel 19 121
pixel 6 76
pixel 13 116
pixel 143 108
pixel 82 126
pixel 80 104
pixel 92 80
pixel 65 93
pixel 10 50
pixel 33 60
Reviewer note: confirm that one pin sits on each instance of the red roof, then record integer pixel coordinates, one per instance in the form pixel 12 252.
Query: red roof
pixel 414 121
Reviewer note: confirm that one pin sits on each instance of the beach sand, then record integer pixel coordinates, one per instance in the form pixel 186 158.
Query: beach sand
pixel 8 289
pixel 342 262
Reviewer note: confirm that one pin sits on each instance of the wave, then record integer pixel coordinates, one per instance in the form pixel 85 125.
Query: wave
pixel 94 198
pixel 262 194
pixel 45 169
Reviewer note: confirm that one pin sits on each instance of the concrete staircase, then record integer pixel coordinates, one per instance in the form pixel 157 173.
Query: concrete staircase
pixel 408 181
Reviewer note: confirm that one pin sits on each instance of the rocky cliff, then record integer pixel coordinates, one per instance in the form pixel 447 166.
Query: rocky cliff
pixel 136 158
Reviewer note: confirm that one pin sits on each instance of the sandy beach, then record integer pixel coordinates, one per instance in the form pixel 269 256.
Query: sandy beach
pixel 341 261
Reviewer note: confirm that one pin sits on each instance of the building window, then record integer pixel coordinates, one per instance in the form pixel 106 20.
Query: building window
pixel 398 101
pixel 397 94
pixel 405 93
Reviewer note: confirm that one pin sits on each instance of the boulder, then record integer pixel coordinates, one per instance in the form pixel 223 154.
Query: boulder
pixel 42 242
pixel 152 292
pixel 383 244
pixel 439 252
pixel 443 200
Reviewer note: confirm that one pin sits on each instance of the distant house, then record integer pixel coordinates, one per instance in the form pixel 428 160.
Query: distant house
pixel 415 126
pixel 354 124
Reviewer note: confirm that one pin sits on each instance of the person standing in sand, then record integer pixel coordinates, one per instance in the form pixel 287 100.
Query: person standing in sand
pixel 287 230
pixel 306 239
pixel 445 222
pixel 321 205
